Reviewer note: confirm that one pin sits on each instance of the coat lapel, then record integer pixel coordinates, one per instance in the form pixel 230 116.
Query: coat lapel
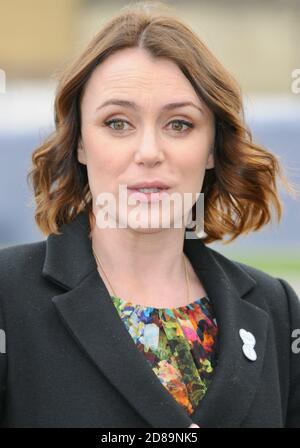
pixel 89 314
pixel 236 378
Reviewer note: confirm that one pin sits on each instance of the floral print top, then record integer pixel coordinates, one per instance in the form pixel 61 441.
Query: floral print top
pixel 178 343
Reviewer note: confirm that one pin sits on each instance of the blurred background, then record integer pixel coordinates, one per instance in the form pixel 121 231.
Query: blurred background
pixel 257 41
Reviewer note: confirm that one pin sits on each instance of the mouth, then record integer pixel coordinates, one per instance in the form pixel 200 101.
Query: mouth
pixel 148 194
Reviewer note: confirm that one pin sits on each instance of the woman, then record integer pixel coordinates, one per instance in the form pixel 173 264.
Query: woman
pixel 140 326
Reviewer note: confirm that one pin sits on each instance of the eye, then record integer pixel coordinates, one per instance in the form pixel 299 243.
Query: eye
pixel 114 121
pixel 182 122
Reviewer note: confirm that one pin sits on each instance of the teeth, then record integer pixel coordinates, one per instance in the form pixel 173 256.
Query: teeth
pixel 149 190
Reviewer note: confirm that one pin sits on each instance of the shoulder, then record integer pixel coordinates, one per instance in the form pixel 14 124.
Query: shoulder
pixel 21 260
pixel 24 291
pixel 22 252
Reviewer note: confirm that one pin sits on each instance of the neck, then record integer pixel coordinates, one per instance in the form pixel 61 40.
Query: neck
pixel 142 264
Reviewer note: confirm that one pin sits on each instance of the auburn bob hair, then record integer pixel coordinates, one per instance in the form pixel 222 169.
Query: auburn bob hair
pixel 238 192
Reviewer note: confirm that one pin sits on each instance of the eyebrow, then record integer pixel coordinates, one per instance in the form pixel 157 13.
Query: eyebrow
pixel 132 105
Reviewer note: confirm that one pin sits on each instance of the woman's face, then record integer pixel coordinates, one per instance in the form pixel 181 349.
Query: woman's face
pixel 147 141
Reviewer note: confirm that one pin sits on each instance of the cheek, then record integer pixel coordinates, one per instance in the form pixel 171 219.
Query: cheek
pixel 193 166
pixel 99 155
pixel 103 168
pixel 200 155
pixel 193 161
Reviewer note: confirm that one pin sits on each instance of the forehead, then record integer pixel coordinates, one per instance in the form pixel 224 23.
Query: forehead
pixel 136 72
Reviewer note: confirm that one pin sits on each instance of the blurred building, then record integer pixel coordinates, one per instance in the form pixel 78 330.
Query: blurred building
pixel 257 40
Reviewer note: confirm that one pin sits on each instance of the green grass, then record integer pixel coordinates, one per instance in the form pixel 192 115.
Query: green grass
pixel 274 266
pixel 273 261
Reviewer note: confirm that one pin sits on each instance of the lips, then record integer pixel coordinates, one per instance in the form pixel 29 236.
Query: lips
pixel 147 196
pixel 148 184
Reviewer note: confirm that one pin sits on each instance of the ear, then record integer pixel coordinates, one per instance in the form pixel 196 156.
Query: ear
pixel 210 161
pixel 81 155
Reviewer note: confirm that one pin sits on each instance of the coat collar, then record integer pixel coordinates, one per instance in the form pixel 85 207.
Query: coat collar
pixel 88 312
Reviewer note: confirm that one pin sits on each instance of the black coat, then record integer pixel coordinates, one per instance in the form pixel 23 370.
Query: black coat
pixel 70 361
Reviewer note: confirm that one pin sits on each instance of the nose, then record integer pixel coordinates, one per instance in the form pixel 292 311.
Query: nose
pixel 149 150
